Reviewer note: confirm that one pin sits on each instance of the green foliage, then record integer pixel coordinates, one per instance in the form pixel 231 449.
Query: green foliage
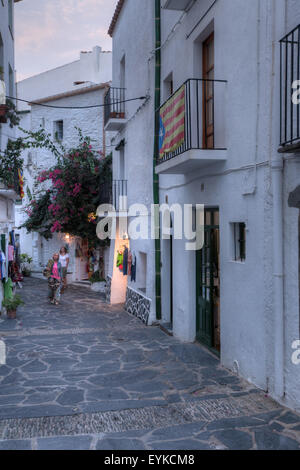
pixel 10 158
pixel 11 114
pixel 12 304
pixel 24 258
pixel 96 277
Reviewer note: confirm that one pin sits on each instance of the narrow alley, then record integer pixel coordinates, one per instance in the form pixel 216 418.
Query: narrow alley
pixel 85 375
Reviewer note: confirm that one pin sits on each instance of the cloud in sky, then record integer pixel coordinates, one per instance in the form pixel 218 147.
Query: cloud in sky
pixel 52 33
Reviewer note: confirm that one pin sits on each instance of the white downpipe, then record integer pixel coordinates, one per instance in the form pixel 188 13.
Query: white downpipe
pixel 278 276
pixel 277 169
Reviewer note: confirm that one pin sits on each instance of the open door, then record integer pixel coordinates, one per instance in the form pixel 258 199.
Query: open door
pixel 208 283
pixel 208 92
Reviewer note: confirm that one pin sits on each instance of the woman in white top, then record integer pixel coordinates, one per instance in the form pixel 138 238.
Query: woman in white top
pixel 64 260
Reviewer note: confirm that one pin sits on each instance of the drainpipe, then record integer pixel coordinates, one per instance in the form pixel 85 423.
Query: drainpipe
pixel 278 277
pixel 155 176
pixel 277 169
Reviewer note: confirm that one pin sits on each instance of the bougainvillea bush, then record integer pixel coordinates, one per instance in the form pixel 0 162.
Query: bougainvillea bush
pixel 68 194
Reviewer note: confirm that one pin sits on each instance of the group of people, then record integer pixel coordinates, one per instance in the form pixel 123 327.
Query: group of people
pixel 56 273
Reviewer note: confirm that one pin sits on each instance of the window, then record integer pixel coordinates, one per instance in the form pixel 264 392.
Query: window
pixel 208 92
pixel 168 86
pixel 122 73
pixel 11 81
pixel 239 241
pixel 122 164
pixel 10 16
pixel 1 59
pixel 58 130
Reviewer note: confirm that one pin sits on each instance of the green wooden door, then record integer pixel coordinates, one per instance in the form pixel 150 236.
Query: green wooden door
pixel 207 283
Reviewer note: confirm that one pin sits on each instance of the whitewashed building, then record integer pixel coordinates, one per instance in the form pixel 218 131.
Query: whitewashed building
pixel 133 125
pixel 237 156
pixel 76 85
pixel 7 74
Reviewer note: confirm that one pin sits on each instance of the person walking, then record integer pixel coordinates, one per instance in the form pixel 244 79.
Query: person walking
pixel 53 272
pixel 64 260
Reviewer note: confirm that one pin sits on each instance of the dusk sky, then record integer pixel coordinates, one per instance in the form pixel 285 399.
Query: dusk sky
pixel 52 33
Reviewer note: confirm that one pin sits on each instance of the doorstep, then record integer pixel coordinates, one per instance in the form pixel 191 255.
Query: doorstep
pixel 167 328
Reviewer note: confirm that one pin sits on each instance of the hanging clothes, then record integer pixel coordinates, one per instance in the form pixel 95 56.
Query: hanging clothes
pixel 129 263
pixel 16 275
pixel 10 253
pixel 3 243
pixel 3 268
pixel 8 289
pixel 119 259
pixel 133 268
pixel 125 262
pixel 12 238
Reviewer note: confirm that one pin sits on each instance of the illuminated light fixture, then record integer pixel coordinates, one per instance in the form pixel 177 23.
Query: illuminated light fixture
pixel 2 93
pixel 67 237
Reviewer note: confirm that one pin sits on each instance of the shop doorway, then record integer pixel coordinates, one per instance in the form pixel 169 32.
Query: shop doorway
pixel 208 284
pixel 81 260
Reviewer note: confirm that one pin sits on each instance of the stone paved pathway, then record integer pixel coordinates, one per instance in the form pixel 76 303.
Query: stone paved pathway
pixel 85 375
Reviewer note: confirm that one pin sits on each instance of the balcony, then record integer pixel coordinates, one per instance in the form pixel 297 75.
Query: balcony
pixel 176 4
pixel 119 193
pixel 114 111
pixel 192 131
pixel 289 96
pixel 12 190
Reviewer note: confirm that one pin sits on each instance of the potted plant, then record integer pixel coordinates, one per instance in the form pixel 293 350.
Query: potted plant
pixel 26 261
pixel 97 282
pixel 11 306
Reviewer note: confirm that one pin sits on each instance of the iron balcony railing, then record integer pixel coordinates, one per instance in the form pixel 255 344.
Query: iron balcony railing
pixel 198 122
pixel 289 75
pixel 105 193
pixel 13 184
pixel 119 195
pixel 114 102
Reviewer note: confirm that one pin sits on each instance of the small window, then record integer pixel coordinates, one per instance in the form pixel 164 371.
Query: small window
pixel 59 130
pixel 10 15
pixel 1 59
pixel 11 81
pixel 168 86
pixel 239 241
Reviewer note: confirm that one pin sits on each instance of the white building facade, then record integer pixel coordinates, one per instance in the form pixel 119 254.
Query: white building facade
pixel 71 93
pixel 7 74
pixel 133 127
pixel 239 295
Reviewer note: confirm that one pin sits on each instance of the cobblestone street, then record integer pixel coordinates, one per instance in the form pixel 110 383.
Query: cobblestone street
pixel 85 375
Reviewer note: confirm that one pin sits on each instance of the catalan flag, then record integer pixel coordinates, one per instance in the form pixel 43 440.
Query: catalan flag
pixel 172 123
pixel 21 183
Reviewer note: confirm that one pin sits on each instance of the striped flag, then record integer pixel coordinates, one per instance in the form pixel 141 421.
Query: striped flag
pixel 21 182
pixel 172 123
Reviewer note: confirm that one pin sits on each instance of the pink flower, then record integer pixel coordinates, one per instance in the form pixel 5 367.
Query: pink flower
pixel 76 189
pixel 56 227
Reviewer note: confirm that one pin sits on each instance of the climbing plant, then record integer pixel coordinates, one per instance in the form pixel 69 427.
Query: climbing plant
pixel 67 195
